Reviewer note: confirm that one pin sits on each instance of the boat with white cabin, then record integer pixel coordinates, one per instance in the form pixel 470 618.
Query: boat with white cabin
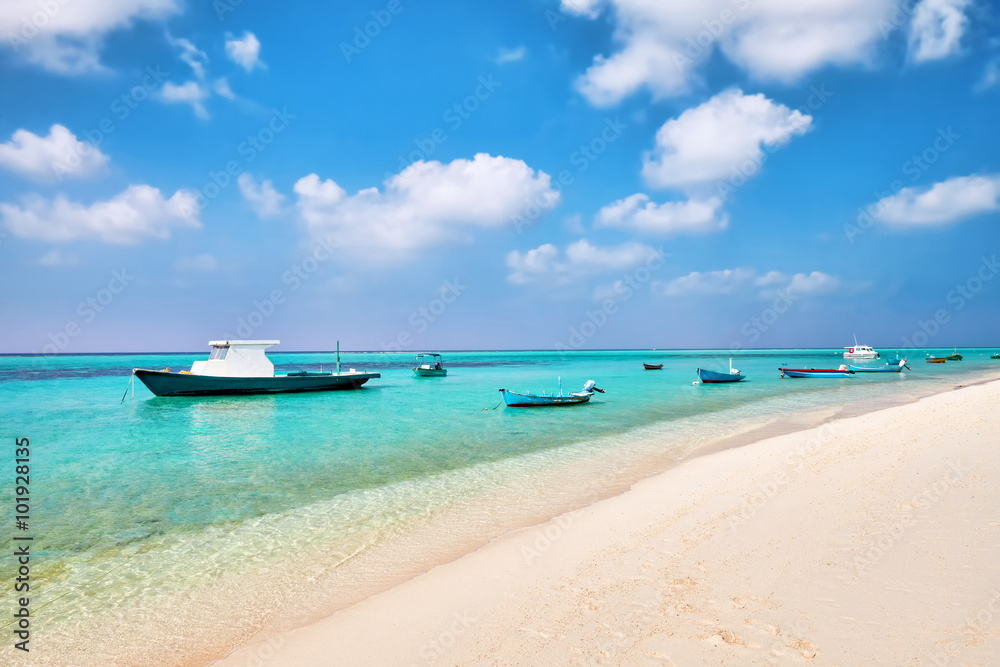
pixel 241 367
pixel 860 351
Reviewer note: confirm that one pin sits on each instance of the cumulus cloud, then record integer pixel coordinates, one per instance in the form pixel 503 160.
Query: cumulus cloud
pixel 943 203
pixel 66 37
pixel 140 212
pixel 425 205
pixel 581 260
pixel 747 280
pixel 640 214
pixel 662 44
pixel 264 199
pixel 244 51
pixel 936 29
pixel 712 141
pixel 192 55
pixel 192 93
pixel 51 158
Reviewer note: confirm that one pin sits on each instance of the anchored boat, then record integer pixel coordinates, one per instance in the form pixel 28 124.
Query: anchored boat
pixel 888 368
pixel 842 372
pixel 514 400
pixel 429 365
pixel 954 356
pixel 712 377
pixel 241 367
pixel 652 367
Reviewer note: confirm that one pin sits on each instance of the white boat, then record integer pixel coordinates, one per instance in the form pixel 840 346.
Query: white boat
pixel 241 367
pixel 860 351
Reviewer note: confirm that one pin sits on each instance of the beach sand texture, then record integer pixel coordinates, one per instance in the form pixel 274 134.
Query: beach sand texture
pixel 870 540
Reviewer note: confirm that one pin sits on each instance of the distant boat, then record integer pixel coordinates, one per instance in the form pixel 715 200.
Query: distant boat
pixel 936 360
pixel 241 367
pixel 712 377
pixel 955 356
pixel 652 367
pixel 514 400
pixel 859 351
pixel 842 372
pixel 429 365
pixel 995 356
pixel 888 368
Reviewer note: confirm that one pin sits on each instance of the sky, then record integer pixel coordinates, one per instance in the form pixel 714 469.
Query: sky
pixel 413 175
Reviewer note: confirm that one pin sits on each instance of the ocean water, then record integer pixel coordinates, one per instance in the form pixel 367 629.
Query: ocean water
pixel 168 530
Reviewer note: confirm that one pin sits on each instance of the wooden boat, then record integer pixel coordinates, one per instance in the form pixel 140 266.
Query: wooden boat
pixel 712 377
pixel 954 356
pixel 240 367
pixel 936 360
pixel 652 367
pixel 995 356
pixel 515 400
pixel 888 368
pixel 431 367
pixel 842 372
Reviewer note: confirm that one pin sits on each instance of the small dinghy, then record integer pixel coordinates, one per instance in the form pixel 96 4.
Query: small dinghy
pixel 842 372
pixel 515 400
pixel 713 377
pixel 652 367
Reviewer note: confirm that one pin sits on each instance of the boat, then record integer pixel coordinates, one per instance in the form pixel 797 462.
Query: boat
pixel 431 367
pixel 515 400
pixel 936 360
pixel 888 368
pixel 713 377
pixel 954 356
pixel 237 367
pixel 860 351
pixel 895 360
pixel 842 372
pixel 652 367
pixel 995 356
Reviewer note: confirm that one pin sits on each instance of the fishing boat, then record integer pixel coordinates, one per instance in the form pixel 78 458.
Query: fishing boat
pixel 954 356
pixel 995 356
pixel 652 367
pixel 931 359
pixel 240 367
pixel 860 351
pixel 713 377
pixel 842 372
pixel 429 365
pixel 515 400
pixel 888 368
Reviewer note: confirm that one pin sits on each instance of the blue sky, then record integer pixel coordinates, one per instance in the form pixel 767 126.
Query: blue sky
pixel 403 175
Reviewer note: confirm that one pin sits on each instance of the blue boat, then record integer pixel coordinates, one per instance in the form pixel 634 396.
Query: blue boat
pixel 888 368
pixel 515 400
pixel 842 372
pixel 713 377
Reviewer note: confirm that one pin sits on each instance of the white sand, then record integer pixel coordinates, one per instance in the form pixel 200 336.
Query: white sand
pixel 872 540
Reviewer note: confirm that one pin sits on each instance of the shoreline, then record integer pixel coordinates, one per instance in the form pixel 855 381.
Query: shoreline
pixel 410 612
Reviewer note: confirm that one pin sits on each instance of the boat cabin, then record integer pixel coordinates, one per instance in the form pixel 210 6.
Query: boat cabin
pixel 236 358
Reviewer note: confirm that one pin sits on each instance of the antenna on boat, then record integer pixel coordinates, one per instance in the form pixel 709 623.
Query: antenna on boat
pixel 338 357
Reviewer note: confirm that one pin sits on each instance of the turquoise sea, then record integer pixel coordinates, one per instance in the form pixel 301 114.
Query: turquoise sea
pixel 167 530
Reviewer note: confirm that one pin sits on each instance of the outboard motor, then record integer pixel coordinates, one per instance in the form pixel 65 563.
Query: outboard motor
pixel 591 386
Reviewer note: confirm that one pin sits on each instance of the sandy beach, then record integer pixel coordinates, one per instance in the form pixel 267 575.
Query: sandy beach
pixel 872 539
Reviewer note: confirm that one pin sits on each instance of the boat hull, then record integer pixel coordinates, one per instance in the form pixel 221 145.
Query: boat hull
pixel 711 377
pixel 653 367
pixel 513 400
pixel 430 372
pixel 886 369
pixel 165 383
pixel 815 373
pixel 936 360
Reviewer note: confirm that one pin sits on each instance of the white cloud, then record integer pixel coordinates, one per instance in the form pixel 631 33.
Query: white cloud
pixel 221 87
pixel 54 157
pixel 511 55
pixel 943 203
pixel 192 55
pixel 936 29
pixel 719 138
pixel 265 200
pixel 57 259
pixel 638 213
pixel 425 205
pixel 138 213
pixel 990 76
pixel 661 44
pixel 582 259
pixel 204 263
pixel 244 51
pixel 747 280
pixel 192 93
pixel 66 37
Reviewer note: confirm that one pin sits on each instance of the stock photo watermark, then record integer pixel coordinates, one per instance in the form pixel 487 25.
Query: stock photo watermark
pixel 88 310
pixel 422 318
pixel 370 30
pixel 958 298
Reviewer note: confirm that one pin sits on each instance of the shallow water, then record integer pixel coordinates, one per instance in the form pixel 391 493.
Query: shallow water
pixel 196 522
